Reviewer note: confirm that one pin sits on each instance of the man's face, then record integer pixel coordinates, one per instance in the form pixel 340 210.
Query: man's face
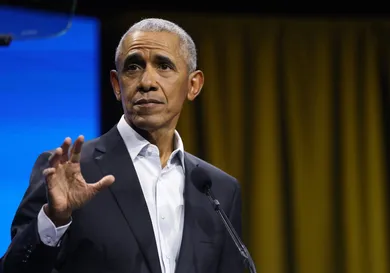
pixel 152 80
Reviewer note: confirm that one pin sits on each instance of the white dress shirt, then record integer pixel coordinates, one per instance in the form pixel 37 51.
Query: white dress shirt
pixel 163 191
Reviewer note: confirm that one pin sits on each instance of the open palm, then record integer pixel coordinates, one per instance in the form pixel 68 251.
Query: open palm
pixel 66 188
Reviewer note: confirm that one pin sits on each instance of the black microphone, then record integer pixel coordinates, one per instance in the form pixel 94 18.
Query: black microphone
pixel 203 183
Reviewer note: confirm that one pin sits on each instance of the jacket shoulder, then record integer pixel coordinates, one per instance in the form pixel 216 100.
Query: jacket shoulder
pixel 218 176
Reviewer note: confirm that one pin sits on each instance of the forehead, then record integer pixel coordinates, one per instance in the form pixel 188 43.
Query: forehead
pixel 161 42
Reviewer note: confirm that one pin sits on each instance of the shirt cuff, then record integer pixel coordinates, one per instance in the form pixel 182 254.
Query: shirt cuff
pixel 49 234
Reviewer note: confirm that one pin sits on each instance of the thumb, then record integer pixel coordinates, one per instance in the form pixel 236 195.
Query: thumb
pixel 103 183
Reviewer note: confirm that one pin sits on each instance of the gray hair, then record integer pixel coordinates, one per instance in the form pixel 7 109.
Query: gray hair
pixel 187 45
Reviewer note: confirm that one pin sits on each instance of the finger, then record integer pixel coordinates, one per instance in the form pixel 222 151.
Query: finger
pixel 65 149
pixel 49 171
pixel 55 158
pixel 103 183
pixel 76 150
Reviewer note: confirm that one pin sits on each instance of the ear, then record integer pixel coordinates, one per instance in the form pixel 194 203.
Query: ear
pixel 115 84
pixel 196 80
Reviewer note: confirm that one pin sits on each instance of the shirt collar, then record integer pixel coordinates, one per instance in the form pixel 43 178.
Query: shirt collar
pixel 135 143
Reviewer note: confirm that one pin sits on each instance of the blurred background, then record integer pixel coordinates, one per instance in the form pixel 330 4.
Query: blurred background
pixel 295 106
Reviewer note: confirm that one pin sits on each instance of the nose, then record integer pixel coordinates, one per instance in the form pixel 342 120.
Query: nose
pixel 147 82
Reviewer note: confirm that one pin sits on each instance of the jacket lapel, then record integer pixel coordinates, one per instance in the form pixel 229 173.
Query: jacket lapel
pixel 113 158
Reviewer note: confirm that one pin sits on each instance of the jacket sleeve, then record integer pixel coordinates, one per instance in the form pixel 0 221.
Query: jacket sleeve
pixel 26 252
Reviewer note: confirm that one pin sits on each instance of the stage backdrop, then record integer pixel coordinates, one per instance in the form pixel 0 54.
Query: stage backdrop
pixel 49 89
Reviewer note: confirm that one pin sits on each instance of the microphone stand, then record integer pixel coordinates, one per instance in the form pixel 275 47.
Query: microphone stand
pixel 248 261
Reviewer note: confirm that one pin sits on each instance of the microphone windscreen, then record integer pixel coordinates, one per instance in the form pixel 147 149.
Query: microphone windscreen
pixel 201 179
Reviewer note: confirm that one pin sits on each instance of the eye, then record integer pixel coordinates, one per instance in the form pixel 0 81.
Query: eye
pixel 164 66
pixel 133 67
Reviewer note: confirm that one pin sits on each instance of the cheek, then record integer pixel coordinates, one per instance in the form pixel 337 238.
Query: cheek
pixel 127 89
pixel 177 93
pixel 176 100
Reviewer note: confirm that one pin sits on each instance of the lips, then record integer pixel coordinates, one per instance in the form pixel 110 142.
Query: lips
pixel 146 101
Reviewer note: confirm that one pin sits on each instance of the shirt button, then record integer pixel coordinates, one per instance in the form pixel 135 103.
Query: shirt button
pixel 162 217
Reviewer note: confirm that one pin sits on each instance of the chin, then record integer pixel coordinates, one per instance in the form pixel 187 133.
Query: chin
pixel 147 123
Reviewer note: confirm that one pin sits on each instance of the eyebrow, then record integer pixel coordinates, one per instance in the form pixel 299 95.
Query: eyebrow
pixel 133 58
pixel 136 58
pixel 164 59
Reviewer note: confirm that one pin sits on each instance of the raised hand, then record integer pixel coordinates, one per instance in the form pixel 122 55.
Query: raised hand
pixel 66 188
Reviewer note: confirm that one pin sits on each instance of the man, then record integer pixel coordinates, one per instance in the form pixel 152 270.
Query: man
pixel 143 214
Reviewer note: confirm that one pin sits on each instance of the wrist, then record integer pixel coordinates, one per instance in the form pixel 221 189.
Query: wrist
pixel 59 218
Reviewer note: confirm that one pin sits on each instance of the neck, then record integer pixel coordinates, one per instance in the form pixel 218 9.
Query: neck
pixel 163 138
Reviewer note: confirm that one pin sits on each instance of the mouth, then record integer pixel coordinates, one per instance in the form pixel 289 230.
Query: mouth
pixel 147 102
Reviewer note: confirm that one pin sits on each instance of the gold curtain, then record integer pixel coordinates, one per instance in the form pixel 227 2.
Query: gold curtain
pixel 294 108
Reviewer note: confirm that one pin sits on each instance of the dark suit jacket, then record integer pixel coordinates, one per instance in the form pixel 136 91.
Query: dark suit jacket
pixel 113 232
